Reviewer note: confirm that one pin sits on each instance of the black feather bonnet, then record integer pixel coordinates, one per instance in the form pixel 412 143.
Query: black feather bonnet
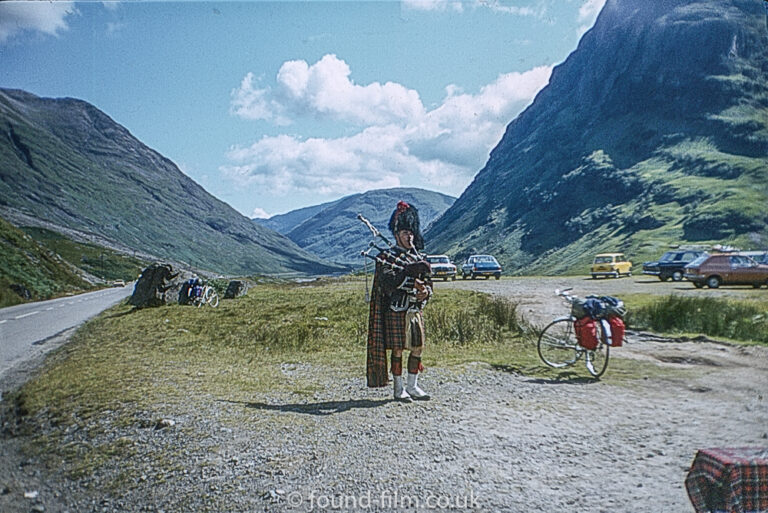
pixel 406 217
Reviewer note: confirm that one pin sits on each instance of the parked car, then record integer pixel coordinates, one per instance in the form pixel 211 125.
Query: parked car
pixel 671 264
pixel 761 257
pixel 726 269
pixel 610 265
pixel 118 283
pixel 481 265
pixel 442 267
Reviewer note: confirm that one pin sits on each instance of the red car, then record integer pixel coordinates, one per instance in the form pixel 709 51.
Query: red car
pixel 726 269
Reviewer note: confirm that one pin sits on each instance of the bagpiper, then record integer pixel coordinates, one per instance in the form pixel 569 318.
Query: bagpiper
pixel 401 289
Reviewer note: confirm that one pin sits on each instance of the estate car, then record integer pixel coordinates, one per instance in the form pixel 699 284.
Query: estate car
pixel 726 269
pixel 761 257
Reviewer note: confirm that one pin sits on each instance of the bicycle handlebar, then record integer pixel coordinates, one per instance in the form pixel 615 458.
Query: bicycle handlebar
pixel 570 298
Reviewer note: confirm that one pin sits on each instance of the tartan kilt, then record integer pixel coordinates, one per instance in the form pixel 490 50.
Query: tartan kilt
pixel 376 361
pixel 386 331
pixel 394 336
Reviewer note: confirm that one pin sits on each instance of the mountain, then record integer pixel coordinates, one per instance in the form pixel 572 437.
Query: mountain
pixel 284 223
pixel 66 163
pixel 334 233
pixel 653 131
pixel 29 271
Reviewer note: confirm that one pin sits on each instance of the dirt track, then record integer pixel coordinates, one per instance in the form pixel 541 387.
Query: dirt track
pixel 490 440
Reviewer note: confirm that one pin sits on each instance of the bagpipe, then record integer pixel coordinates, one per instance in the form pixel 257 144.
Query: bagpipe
pixel 394 257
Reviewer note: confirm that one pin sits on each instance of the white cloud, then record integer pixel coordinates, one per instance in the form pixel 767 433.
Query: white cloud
pixel 111 5
pixel 433 5
pixel 400 144
pixel 325 90
pixel 497 6
pixel 284 164
pixel 114 28
pixel 465 127
pixel 260 213
pixel 37 16
pixel 460 6
pixel 250 102
pixel 588 14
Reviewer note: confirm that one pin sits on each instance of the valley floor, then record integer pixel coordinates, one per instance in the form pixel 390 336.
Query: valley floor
pixel 491 439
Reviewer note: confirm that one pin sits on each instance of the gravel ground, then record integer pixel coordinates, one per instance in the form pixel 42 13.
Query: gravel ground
pixel 489 440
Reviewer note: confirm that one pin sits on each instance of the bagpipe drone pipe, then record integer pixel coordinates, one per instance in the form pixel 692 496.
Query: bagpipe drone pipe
pixel 414 266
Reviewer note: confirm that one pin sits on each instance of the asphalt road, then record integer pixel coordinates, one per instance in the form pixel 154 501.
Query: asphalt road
pixel 24 329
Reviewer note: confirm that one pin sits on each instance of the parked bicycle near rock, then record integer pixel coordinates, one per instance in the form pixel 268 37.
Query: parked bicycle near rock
pixel 200 294
pixel 595 324
pixel 209 296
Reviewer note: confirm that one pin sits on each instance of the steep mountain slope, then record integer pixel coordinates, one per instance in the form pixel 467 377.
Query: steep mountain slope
pixel 26 268
pixel 66 162
pixel 653 131
pixel 335 234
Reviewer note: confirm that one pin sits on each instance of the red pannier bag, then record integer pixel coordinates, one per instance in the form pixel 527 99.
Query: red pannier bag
pixel 586 333
pixel 617 330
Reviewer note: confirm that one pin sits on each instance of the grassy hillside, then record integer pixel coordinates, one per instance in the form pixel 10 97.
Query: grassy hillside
pixel 101 262
pixel 25 263
pixel 67 163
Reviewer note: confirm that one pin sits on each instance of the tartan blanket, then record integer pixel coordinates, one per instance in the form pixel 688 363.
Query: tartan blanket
pixel 730 480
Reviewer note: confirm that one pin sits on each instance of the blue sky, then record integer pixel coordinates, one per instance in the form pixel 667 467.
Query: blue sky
pixel 273 106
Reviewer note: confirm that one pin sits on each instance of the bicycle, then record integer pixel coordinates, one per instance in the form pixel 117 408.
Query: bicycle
pixel 559 347
pixel 209 296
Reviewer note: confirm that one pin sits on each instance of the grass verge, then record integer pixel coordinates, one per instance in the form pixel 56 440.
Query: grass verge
pixel 169 353
pixel 745 321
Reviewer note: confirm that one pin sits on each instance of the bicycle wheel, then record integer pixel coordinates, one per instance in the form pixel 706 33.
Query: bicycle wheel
pixel 597 360
pixel 212 298
pixel 557 344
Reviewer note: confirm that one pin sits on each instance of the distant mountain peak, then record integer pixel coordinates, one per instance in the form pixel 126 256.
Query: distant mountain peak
pixel 332 230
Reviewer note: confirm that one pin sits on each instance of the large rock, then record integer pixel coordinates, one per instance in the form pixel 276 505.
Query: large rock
pixel 236 288
pixel 159 284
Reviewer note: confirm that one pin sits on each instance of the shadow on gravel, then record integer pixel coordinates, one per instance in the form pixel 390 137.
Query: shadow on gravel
pixel 323 408
pixel 566 378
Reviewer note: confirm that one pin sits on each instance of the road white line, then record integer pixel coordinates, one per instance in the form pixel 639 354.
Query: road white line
pixel 27 314
pixel 49 309
pixel 4 320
